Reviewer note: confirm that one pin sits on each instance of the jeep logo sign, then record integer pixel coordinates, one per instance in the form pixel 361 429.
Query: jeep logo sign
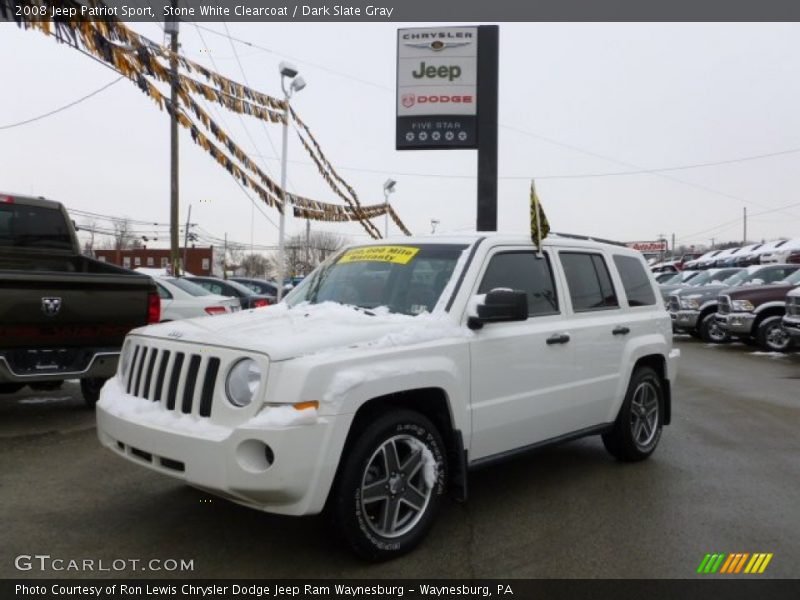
pixel 437 87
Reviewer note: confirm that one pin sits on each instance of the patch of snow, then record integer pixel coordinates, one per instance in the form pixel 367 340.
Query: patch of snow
pixel 770 354
pixel 45 400
pixel 430 468
pixel 283 416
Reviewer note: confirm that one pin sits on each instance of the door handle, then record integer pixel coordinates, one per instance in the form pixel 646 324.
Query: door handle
pixel 621 330
pixel 558 338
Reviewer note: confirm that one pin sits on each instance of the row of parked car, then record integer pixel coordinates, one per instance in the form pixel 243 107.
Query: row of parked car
pixel 774 252
pixel 757 304
pixel 194 296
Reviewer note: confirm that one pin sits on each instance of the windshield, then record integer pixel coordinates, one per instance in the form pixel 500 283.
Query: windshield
pixel 713 277
pixel 188 286
pixel 33 226
pixel 405 279
pixel 793 279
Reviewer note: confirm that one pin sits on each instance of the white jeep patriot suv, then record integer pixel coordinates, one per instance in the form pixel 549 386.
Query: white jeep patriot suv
pixel 391 370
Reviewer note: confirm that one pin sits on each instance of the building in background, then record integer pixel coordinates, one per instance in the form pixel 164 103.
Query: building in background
pixel 199 261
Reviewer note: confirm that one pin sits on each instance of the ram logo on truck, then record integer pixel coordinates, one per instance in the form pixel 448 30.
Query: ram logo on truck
pixel 51 306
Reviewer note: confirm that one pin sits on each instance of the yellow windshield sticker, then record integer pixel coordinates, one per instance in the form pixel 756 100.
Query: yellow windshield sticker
pixel 400 255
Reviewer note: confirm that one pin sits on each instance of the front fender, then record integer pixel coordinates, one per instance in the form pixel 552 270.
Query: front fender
pixel 646 345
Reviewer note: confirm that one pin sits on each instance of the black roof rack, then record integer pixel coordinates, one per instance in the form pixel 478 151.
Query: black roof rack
pixel 588 238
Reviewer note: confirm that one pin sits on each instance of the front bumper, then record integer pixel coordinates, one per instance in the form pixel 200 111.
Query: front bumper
pixel 792 327
pixel 737 323
pixel 684 320
pixel 285 470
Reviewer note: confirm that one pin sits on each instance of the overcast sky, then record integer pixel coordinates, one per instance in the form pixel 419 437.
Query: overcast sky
pixel 575 99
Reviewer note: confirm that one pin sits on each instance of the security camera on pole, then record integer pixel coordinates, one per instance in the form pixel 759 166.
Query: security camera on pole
pixel 296 83
pixel 388 188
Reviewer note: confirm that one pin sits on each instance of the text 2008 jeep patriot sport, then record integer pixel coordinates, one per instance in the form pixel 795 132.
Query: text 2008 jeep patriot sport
pixel 392 369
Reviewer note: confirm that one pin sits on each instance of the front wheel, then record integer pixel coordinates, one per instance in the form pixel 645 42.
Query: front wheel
pixel 711 332
pixel 637 430
pixel 390 485
pixel 90 388
pixel 772 336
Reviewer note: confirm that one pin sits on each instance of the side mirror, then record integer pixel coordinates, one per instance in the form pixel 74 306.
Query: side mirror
pixel 500 305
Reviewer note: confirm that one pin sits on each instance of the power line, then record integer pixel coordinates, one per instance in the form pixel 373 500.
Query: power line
pixel 299 60
pixel 65 107
pixel 728 224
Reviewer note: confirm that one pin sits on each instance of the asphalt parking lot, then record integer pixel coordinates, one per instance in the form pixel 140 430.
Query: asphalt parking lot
pixel 724 479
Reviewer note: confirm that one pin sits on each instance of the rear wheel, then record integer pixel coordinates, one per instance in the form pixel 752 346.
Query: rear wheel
pixel 390 485
pixel 90 388
pixel 637 430
pixel 772 336
pixel 711 332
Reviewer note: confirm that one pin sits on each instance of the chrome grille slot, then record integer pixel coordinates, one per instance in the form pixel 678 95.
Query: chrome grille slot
pixel 210 380
pixel 148 378
pixel 172 392
pixel 189 384
pixel 162 372
pixel 132 369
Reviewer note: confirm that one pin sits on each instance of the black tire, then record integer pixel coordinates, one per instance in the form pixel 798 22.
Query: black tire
pixel 625 441
pixel 772 336
pixel 11 388
pixel 695 334
pixel 711 332
pixel 90 388
pixel 749 340
pixel 361 524
pixel 47 386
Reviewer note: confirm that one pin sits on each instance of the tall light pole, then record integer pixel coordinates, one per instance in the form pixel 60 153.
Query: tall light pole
pixel 388 188
pixel 296 83
pixel 171 27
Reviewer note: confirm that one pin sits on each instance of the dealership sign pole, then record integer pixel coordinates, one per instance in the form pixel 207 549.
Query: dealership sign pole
pixel 447 99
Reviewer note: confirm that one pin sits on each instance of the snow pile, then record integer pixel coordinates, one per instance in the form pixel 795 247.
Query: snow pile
pixel 147 412
pixel 424 328
pixel 430 468
pixel 283 416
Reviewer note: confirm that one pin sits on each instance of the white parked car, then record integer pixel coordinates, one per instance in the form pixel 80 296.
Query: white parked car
pixel 182 299
pixel 781 253
pixel 393 369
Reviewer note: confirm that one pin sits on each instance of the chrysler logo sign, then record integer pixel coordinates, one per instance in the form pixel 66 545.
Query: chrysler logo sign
pixel 51 306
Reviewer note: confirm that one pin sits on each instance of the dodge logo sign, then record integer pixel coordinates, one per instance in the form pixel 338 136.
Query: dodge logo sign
pixel 51 306
pixel 408 100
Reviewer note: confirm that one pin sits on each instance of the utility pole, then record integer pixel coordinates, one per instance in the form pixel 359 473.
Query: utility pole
pixel 673 245
pixel 171 27
pixel 186 237
pixel 744 239
pixel 225 257
pixel 712 243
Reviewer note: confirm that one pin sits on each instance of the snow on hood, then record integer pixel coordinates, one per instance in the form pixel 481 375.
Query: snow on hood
pixel 283 332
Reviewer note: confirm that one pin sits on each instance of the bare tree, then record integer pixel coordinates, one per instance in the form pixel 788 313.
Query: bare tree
pixel 321 245
pixel 256 265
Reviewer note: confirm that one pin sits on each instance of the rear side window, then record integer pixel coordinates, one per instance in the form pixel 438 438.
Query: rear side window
pixel 24 226
pixel 526 272
pixel 589 282
pixel 635 281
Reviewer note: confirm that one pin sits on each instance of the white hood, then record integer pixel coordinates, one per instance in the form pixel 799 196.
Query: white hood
pixel 282 332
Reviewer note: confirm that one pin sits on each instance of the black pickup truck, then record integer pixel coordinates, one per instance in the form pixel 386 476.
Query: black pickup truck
pixel 62 315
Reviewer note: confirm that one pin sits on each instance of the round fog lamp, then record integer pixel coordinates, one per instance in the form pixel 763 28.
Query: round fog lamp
pixel 243 381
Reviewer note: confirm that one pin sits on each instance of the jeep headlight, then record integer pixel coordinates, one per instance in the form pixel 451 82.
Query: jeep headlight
pixel 243 382
pixel 690 303
pixel 742 306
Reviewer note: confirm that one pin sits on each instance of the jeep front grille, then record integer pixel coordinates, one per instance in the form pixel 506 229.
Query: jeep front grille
pixel 180 381
pixel 724 306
